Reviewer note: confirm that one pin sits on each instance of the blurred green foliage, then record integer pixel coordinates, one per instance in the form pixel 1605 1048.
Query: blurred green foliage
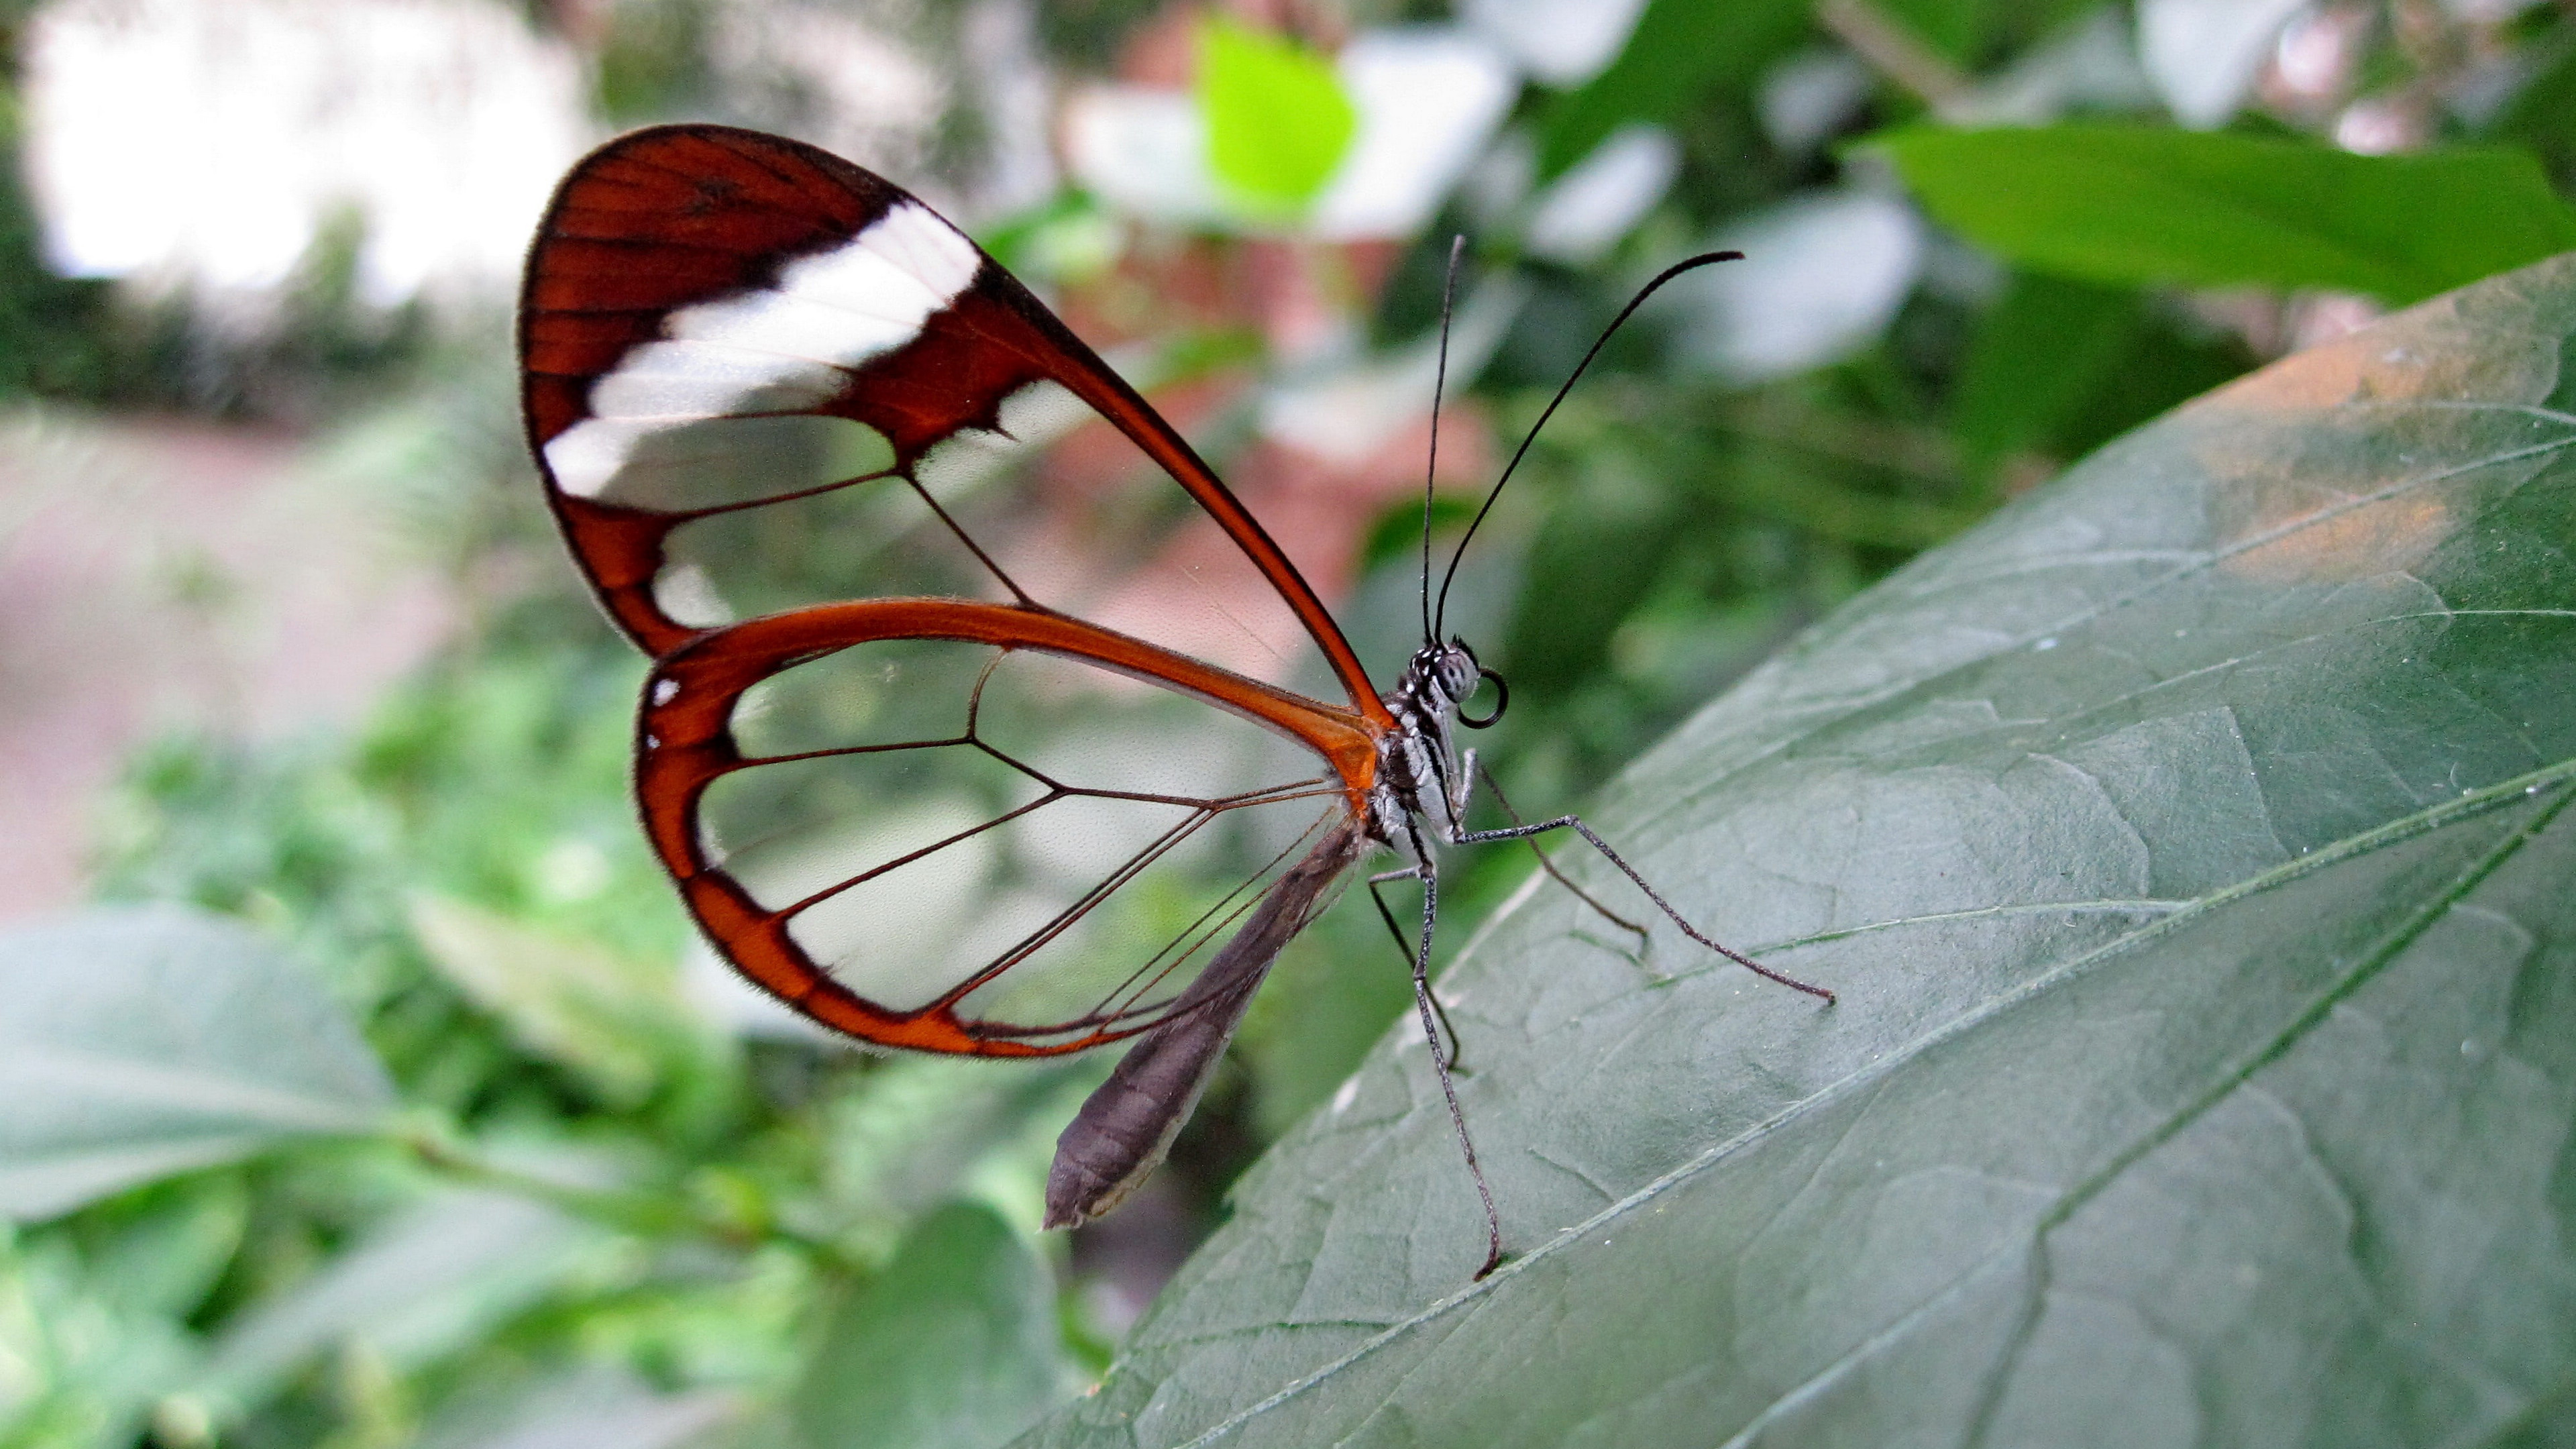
pixel 604 1204
pixel 1683 58
pixel 2126 204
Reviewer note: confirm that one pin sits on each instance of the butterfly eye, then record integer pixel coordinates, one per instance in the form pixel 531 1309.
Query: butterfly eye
pixel 1454 668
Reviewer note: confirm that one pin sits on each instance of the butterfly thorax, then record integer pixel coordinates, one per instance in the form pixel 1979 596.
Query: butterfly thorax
pixel 1420 771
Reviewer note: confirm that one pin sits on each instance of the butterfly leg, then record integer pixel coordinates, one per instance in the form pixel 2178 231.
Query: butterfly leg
pixel 1405 949
pixel 1428 1009
pixel 1575 824
pixel 1494 787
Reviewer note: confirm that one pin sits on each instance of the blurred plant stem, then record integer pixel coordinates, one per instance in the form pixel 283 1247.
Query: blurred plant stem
pixel 1895 51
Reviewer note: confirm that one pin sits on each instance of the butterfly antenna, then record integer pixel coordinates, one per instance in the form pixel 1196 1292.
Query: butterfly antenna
pixel 1440 611
pixel 1431 468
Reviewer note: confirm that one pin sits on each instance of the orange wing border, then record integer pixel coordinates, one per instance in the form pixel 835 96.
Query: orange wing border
pixel 684 742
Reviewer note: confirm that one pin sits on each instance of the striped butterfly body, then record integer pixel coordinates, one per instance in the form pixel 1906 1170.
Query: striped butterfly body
pixel 886 810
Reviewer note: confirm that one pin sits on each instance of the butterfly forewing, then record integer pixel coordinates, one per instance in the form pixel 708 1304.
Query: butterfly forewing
pixel 760 378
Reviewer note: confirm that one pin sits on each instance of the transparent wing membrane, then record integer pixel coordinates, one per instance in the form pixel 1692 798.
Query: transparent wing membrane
pixel 766 514
pixel 1039 846
pixel 690 465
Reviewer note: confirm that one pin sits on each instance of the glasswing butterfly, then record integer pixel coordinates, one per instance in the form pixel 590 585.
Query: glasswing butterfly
pixel 736 343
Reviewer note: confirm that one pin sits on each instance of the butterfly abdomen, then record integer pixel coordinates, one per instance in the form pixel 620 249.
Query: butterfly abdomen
pixel 1123 1131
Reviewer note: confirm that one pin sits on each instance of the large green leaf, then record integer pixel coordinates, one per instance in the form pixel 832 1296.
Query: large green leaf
pixel 139 1043
pixel 2132 204
pixel 2190 848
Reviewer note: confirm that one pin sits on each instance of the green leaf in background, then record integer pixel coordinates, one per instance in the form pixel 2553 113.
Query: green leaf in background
pixel 591 1406
pixel 1967 31
pixel 2543 115
pixel 913 1131
pixel 165 1250
pixel 1326 1003
pixel 1277 120
pixel 953 1346
pixel 1680 52
pixel 139 1043
pixel 2131 205
pixel 2038 356
pixel 2189 845
pixel 429 1282
pixel 416 1287
pixel 87 1357
pixel 616 1020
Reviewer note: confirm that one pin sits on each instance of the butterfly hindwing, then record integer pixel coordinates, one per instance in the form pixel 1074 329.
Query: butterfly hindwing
pixel 888 814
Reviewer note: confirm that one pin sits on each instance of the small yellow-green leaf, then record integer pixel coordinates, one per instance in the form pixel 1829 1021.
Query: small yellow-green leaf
pixel 1277 120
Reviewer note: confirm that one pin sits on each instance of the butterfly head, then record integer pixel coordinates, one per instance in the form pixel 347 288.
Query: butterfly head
pixel 1450 675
